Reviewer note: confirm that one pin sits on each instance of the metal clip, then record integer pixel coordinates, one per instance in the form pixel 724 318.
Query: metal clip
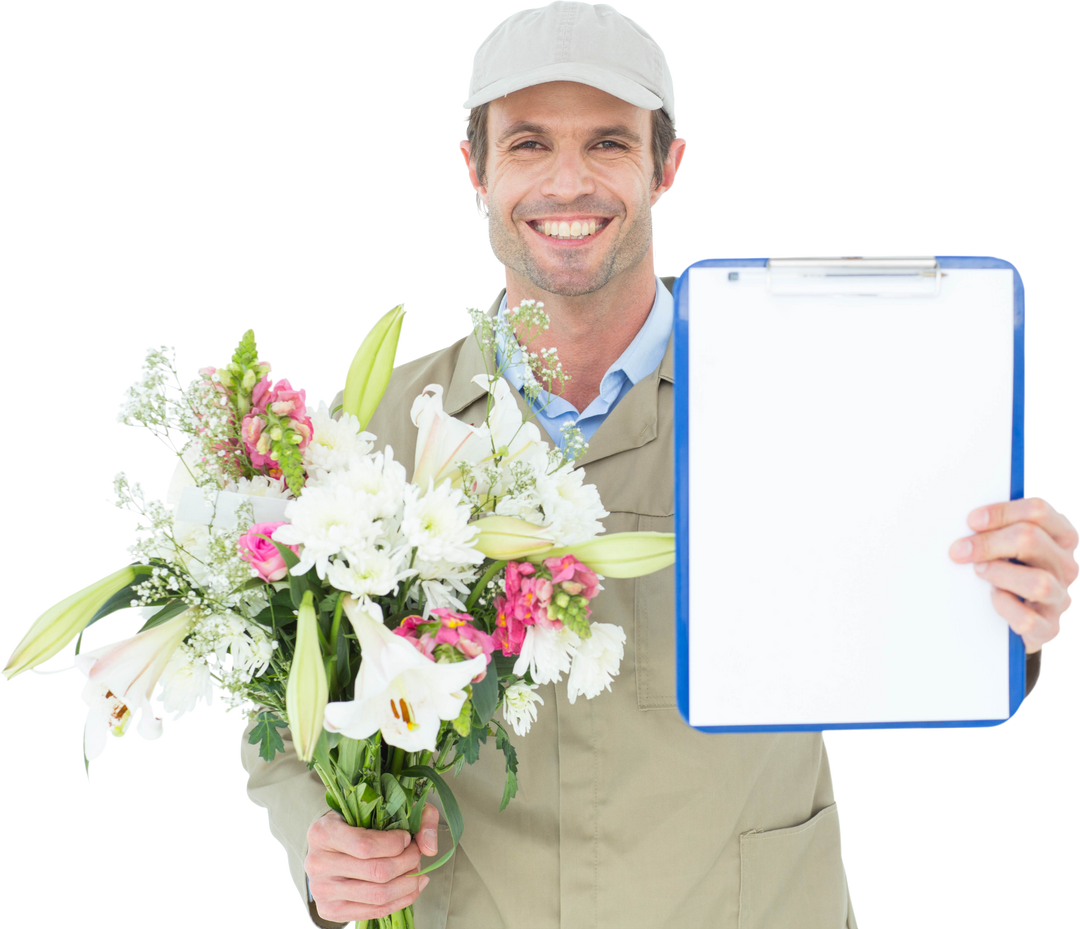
pixel 854 277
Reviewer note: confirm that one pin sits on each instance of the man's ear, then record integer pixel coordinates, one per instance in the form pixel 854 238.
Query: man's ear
pixel 671 167
pixel 481 190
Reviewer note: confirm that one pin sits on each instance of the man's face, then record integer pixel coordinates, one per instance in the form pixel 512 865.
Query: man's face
pixel 569 186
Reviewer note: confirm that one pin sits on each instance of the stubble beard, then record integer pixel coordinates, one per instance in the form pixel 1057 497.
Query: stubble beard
pixel 572 278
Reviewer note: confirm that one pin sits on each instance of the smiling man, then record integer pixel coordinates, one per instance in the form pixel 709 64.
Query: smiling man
pixel 625 816
pixel 569 174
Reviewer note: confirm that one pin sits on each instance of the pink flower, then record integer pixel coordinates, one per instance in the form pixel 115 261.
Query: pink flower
pixel 261 553
pixel 412 629
pixel 528 595
pixel 282 399
pixel 447 636
pixel 574 577
pixel 509 630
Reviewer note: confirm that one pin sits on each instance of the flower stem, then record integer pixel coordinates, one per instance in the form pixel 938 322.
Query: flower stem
pixel 489 574
pixel 397 763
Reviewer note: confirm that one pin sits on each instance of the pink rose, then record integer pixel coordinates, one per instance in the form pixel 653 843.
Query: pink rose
pixel 258 551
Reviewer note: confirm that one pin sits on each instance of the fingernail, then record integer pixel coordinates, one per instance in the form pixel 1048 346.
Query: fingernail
pixel 424 880
pixel 980 568
pixel 962 549
pixel 980 519
pixel 431 838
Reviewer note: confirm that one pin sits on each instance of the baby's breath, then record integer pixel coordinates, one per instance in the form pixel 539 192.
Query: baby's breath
pixel 146 402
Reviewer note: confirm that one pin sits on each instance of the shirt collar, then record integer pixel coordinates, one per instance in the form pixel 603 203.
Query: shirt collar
pixel 640 358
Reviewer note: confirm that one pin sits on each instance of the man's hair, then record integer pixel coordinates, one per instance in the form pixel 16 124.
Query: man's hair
pixel 663 134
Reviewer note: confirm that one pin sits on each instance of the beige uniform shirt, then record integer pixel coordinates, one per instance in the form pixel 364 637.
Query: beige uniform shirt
pixel 625 816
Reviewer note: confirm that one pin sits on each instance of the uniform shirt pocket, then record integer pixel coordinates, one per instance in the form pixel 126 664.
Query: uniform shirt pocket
pixel 794 877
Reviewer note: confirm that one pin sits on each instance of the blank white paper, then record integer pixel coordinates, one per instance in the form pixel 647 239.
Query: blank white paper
pixel 836 446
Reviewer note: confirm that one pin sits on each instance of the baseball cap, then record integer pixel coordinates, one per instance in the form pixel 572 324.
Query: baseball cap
pixel 587 43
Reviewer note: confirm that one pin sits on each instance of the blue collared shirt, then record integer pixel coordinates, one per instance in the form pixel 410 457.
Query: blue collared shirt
pixel 641 357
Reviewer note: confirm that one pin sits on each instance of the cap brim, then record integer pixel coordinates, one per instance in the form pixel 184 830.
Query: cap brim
pixel 617 85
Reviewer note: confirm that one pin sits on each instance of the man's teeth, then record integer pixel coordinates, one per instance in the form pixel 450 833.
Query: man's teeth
pixel 575 230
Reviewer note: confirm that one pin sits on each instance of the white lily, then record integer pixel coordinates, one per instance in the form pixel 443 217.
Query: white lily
pixel 442 441
pixel 398 690
pixel 121 678
pixel 509 431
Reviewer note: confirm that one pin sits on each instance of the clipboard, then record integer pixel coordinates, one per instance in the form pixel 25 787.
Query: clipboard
pixel 835 422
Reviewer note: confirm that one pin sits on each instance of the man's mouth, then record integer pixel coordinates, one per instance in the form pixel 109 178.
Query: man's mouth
pixel 569 229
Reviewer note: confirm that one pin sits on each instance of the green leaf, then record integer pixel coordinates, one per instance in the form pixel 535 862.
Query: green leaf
pixel 266 735
pixel 322 754
pixel 122 598
pixel 468 747
pixel 485 696
pixel 417 811
pixel 350 756
pixel 504 664
pixel 451 810
pixel 332 802
pixel 502 740
pixel 395 796
pixel 174 608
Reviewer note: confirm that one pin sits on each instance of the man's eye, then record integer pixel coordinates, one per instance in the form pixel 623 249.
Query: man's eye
pixel 528 144
pixel 610 145
pixel 534 142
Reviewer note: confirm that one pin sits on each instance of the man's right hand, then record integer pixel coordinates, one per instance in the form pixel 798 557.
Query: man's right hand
pixel 356 873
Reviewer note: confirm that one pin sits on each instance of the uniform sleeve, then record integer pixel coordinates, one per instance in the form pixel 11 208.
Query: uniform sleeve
pixel 1034 663
pixel 293 798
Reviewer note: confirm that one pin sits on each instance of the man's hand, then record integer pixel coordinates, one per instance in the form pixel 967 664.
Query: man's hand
pixel 1035 534
pixel 359 873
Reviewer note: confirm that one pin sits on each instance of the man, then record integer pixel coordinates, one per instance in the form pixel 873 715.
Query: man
pixel 625 815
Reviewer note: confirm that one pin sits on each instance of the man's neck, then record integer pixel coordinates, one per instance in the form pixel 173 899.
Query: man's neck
pixel 590 332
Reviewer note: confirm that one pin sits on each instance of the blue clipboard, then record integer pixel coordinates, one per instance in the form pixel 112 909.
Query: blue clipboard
pixel 798 608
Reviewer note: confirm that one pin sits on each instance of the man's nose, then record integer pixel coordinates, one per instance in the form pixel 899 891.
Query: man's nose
pixel 569 177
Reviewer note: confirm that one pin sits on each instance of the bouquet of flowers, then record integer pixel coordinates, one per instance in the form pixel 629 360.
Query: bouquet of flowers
pixel 385 621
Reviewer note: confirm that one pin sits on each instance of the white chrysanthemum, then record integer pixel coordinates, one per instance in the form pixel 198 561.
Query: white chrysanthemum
pixel 378 476
pixel 441 590
pixel 437 525
pixel 546 653
pixel 335 445
pixel 572 508
pixel 184 683
pixel 519 706
pixel 372 573
pixel 596 662
pixel 326 520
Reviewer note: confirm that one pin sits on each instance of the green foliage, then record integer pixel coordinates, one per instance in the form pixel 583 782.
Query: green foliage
pixel 463 724
pixel 266 735
pixel 485 696
pixel 167 612
pixel 450 808
pixel 120 602
pixel 502 741
pixel 468 747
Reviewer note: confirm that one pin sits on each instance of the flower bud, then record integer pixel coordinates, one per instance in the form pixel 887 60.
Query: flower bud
pixel 507 538
pixel 307 692
pixel 59 624
pixel 622 554
pixel 370 370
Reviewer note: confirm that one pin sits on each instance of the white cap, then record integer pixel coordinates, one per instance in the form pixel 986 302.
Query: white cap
pixel 587 43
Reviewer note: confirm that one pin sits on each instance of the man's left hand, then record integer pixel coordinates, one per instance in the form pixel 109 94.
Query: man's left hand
pixel 1035 534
